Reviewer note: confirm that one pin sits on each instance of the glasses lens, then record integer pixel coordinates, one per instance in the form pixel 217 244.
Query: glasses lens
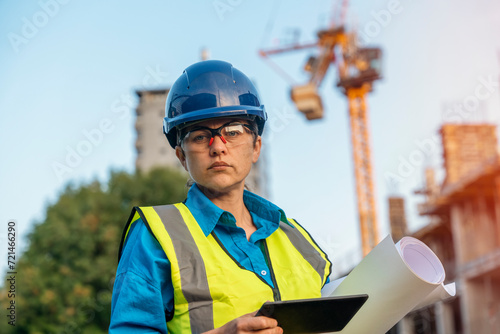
pixel 200 137
pixel 233 132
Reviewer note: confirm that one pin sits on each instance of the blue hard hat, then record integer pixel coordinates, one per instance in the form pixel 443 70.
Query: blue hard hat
pixel 211 89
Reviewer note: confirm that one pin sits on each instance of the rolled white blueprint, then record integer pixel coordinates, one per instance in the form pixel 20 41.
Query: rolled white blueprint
pixel 441 293
pixel 397 279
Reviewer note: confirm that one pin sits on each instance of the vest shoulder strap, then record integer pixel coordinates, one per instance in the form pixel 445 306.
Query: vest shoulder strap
pixel 137 212
pixel 308 248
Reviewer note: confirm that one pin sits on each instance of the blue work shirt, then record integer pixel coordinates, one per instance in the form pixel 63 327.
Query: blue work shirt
pixel 143 296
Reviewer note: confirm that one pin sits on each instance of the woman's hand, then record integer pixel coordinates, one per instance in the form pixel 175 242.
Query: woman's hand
pixel 249 323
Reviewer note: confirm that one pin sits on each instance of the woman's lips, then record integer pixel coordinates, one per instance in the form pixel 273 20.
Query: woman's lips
pixel 219 165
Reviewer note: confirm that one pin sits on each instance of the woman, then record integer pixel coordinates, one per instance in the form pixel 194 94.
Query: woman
pixel 208 264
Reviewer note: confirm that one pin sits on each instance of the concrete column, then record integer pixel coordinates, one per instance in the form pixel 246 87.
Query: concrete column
pixel 497 210
pixel 466 301
pixel 444 318
pixel 457 231
pixel 472 306
pixel 405 326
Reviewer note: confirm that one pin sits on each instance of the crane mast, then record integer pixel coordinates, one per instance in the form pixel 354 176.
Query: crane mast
pixel 357 69
pixel 363 171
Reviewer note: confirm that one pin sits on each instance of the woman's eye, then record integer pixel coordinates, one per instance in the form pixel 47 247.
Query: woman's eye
pixel 233 131
pixel 200 138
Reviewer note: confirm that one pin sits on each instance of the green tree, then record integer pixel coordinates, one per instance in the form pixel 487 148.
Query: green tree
pixel 65 277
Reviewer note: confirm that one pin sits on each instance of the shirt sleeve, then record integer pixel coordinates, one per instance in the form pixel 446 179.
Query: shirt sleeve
pixel 143 298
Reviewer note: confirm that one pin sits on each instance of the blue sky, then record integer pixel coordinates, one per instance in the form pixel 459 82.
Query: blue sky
pixel 69 67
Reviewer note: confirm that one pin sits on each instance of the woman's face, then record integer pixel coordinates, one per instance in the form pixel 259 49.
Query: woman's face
pixel 224 164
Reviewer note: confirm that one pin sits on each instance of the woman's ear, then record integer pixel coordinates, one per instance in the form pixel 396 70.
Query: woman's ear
pixel 256 149
pixel 179 152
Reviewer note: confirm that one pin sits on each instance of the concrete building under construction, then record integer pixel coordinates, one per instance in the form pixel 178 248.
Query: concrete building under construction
pixel 464 232
pixel 153 149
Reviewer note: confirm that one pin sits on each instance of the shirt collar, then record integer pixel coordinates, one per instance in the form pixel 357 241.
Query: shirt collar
pixel 207 214
pixel 263 208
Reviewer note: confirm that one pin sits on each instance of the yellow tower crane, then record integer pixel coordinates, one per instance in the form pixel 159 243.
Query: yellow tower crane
pixel 357 69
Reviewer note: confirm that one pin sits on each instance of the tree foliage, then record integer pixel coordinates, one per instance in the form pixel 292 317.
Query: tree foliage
pixel 65 277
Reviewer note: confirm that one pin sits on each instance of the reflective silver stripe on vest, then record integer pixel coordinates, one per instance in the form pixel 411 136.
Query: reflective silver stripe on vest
pixel 305 248
pixel 194 281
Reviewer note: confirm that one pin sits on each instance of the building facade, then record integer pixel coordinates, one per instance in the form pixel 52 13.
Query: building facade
pixel 464 232
pixel 152 148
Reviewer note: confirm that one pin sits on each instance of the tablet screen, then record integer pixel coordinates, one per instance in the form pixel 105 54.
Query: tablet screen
pixel 319 315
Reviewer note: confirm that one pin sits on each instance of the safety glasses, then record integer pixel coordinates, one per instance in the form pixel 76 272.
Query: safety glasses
pixel 232 133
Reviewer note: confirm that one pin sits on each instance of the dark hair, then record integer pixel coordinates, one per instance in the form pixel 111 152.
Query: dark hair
pixel 255 130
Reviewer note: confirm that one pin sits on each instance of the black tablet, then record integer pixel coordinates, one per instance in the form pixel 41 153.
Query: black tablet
pixel 319 315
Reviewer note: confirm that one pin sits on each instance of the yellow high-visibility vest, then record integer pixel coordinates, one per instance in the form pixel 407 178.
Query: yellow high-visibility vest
pixel 210 287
